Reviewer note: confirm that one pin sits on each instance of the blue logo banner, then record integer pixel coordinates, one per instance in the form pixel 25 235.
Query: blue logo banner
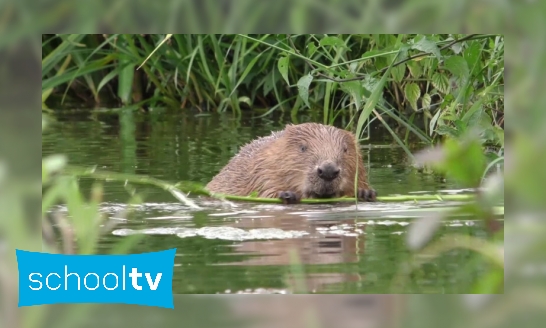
pixel 142 279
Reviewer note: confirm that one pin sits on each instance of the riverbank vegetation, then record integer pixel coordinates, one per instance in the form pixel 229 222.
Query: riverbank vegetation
pixel 438 85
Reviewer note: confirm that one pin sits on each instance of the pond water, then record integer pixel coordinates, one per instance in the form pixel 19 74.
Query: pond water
pixel 257 248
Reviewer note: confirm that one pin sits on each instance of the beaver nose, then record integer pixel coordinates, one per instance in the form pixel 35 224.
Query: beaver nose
pixel 328 171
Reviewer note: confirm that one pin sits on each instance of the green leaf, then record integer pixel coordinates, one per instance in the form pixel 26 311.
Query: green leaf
pixel 398 72
pixel 413 93
pixel 457 47
pixel 458 67
pixel 428 46
pixel 426 101
pixel 283 67
pixel 433 121
pixel 447 130
pixel 460 125
pixel 372 101
pixel 303 88
pixel 472 56
pixel 499 133
pixel 440 82
pixel 269 82
pixel 245 73
pixel 69 42
pixel 332 41
pixel 475 107
pixel 107 78
pixel 311 49
pixel 245 100
pixel 354 88
pixel 370 83
pixel 73 73
pixel 125 81
pixel 415 69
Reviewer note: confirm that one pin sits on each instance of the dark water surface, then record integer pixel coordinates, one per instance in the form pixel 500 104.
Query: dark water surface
pixel 255 248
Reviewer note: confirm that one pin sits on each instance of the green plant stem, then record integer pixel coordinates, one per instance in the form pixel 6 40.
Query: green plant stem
pixel 196 188
pixel 121 177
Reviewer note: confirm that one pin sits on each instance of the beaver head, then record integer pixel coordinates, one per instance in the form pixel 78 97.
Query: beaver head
pixel 319 161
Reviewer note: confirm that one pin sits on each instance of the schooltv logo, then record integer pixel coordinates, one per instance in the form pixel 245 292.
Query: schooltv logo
pixel 141 279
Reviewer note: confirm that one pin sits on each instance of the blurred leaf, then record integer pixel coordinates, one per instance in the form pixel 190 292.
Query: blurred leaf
pixel 461 159
pixel 440 82
pixel 303 87
pixel 283 68
pixel 3 172
pixel 124 245
pixel 427 46
pixel 412 93
pixel 491 282
pixel 493 189
pixel 465 161
pixel 50 196
pixel 54 163
pixel 421 230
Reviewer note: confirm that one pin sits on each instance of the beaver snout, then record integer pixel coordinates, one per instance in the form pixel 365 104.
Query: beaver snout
pixel 328 171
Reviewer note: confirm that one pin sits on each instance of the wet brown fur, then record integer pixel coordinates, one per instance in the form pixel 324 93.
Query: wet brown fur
pixel 277 163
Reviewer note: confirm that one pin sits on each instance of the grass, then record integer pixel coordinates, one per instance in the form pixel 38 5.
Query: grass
pixel 417 86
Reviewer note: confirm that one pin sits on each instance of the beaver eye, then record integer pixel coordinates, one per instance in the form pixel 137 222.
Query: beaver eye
pixel 344 149
pixel 303 148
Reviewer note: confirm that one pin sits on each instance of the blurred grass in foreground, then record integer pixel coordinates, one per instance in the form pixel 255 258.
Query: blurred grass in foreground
pixel 523 25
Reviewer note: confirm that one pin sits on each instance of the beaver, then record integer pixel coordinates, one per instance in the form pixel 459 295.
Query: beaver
pixel 308 160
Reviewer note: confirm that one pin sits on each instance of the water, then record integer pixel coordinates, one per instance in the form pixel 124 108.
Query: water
pixel 257 248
